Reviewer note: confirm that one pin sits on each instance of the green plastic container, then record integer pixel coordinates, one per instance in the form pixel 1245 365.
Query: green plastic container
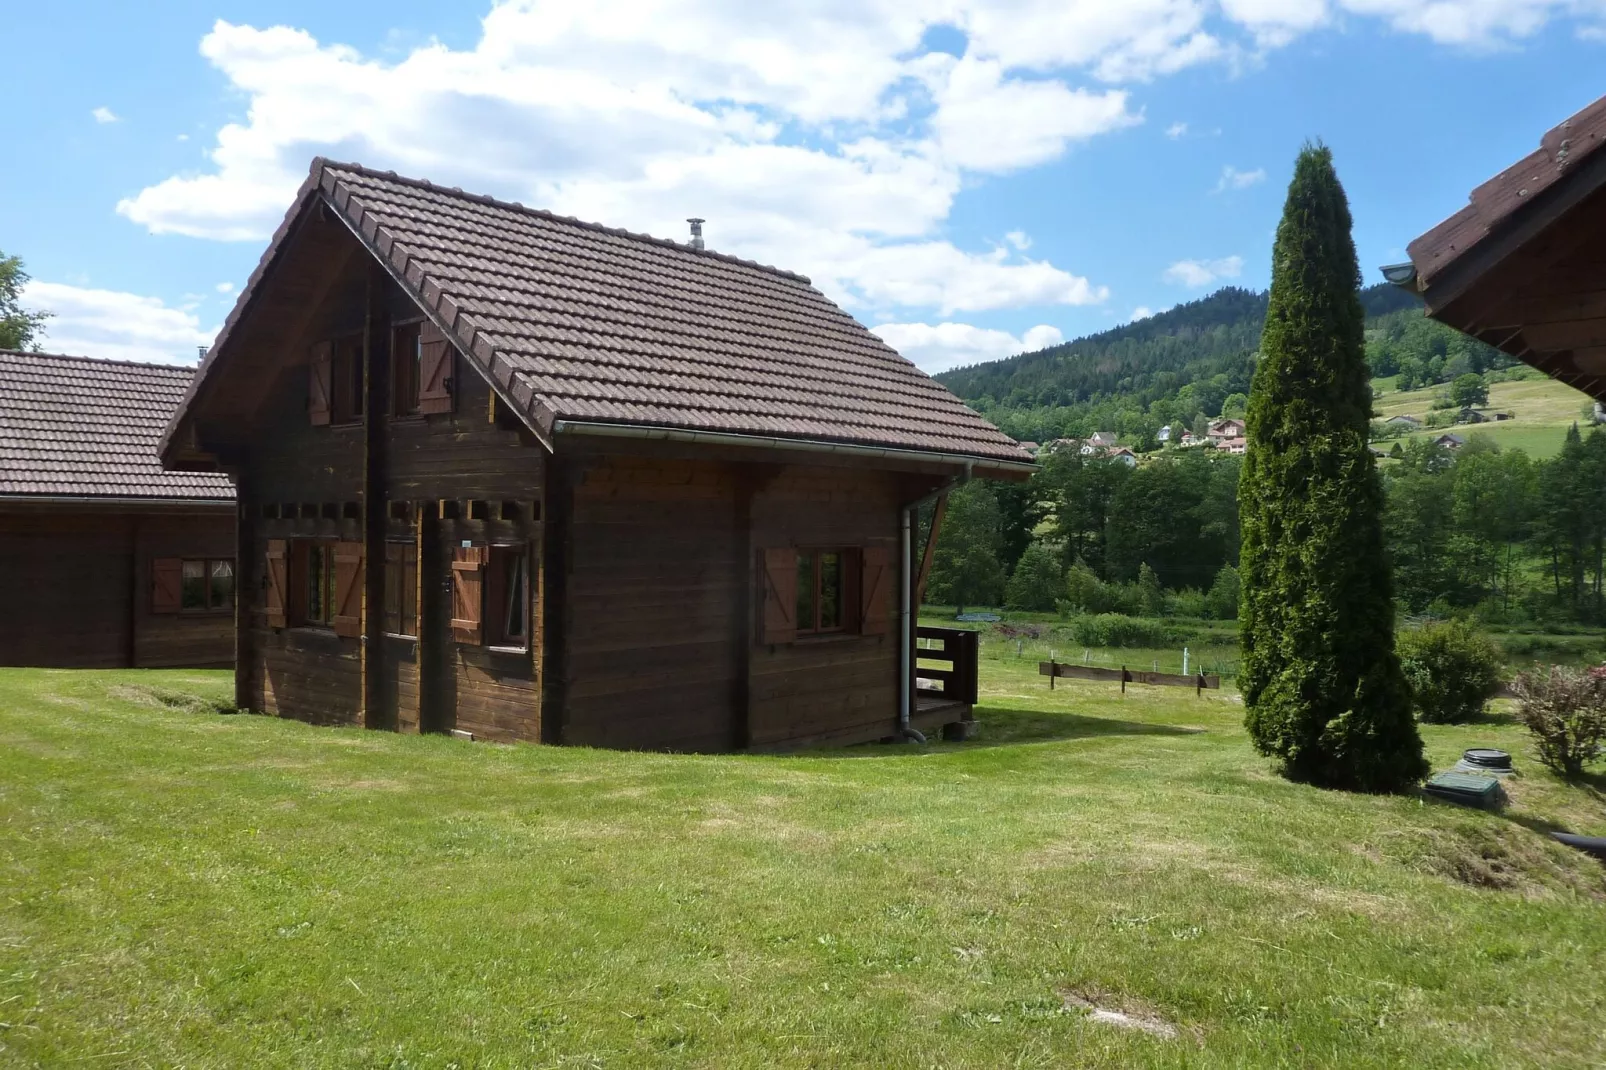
pixel 1468 789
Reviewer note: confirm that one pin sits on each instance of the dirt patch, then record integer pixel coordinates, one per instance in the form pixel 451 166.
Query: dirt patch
pixel 1120 1012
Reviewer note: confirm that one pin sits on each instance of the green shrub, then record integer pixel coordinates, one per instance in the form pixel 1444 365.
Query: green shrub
pixel 1037 580
pixel 1222 598
pixel 1188 602
pixel 1118 629
pixel 1565 712
pixel 1453 669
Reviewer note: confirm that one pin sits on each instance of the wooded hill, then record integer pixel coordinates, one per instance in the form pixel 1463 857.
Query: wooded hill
pixel 1172 366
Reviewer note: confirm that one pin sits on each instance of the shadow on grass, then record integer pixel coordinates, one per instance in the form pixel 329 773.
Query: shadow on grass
pixel 1008 728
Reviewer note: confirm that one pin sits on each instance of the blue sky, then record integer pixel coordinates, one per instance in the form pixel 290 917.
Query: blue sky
pixel 968 178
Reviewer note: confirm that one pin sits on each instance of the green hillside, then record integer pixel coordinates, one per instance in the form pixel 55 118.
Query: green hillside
pixel 1189 364
pixel 1542 409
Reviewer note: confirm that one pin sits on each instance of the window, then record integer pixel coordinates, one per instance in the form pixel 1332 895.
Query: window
pixel 401 588
pixel 406 359
pixel 347 379
pixel 508 598
pixel 318 595
pixel 821 605
pixel 192 585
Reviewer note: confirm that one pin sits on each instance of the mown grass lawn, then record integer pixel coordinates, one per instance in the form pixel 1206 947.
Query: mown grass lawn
pixel 183 887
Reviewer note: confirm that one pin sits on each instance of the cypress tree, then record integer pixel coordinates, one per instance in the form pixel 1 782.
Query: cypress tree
pixel 1323 687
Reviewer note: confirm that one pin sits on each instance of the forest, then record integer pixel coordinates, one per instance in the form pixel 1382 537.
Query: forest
pixel 1181 367
pixel 1481 530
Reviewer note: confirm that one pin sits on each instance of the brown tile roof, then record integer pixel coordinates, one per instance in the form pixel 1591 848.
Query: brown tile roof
pixel 580 322
pixel 1561 150
pixel 79 427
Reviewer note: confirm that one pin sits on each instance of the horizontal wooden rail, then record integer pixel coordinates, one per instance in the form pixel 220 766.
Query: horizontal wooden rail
pixel 958 648
pixel 1055 670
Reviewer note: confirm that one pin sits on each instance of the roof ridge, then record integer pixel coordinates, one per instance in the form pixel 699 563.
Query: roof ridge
pixel 322 162
pixel 97 360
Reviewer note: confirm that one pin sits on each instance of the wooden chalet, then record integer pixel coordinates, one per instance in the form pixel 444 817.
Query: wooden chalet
pixel 106 560
pixel 1523 265
pixel 518 477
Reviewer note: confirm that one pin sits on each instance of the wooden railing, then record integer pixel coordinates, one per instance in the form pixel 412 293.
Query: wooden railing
pixel 957 650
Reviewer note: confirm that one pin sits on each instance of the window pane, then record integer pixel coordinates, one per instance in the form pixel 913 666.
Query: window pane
pixel 805 592
pixel 315 584
pixel 409 592
pixel 517 598
pixel 330 595
pixel 193 594
pixel 830 590
pixel 223 585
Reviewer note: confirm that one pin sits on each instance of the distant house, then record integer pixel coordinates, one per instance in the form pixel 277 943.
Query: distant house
pixel 1164 434
pixel 1480 416
pixel 1450 442
pixel 1102 440
pixel 1404 422
pixel 1122 454
pixel 1232 445
pixel 1226 429
pixel 1187 439
pixel 1378 451
pixel 106 561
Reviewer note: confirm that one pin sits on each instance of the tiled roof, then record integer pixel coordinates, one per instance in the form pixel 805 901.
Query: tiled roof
pixel 1563 149
pixel 584 323
pixel 75 426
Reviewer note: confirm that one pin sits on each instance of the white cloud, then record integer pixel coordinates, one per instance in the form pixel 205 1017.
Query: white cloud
pixel 104 115
pixel 936 347
pixel 1142 312
pixel 224 287
pixel 1233 179
pixel 1176 130
pixel 986 121
pixel 813 134
pixel 1019 239
pixel 1196 274
pixel 115 325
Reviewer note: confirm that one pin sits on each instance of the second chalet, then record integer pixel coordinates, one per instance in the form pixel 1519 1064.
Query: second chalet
pixel 513 476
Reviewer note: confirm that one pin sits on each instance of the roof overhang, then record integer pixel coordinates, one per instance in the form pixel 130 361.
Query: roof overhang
pixel 988 467
pixel 1522 267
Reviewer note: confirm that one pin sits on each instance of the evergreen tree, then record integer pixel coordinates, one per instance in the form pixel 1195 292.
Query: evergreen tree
pixel 1324 689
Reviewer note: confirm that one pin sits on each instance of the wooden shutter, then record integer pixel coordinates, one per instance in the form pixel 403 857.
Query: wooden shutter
pixel 167 585
pixel 875 587
pixel 277 568
pixel 780 595
pixel 320 383
pixel 435 365
pixel 348 588
pixel 468 594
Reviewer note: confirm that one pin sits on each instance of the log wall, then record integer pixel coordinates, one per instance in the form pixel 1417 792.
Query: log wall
pixel 75 584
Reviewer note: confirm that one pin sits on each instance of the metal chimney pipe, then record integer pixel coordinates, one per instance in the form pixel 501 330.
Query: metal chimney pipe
pixel 696 232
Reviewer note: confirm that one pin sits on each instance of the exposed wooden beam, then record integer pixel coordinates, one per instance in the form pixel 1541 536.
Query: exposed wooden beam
pixel 940 511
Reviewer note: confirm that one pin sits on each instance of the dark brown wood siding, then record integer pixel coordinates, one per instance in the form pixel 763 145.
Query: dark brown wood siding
pixel 465 458
pixel 75 585
pixel 664 602
pixel 841 688
pixel 651 605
